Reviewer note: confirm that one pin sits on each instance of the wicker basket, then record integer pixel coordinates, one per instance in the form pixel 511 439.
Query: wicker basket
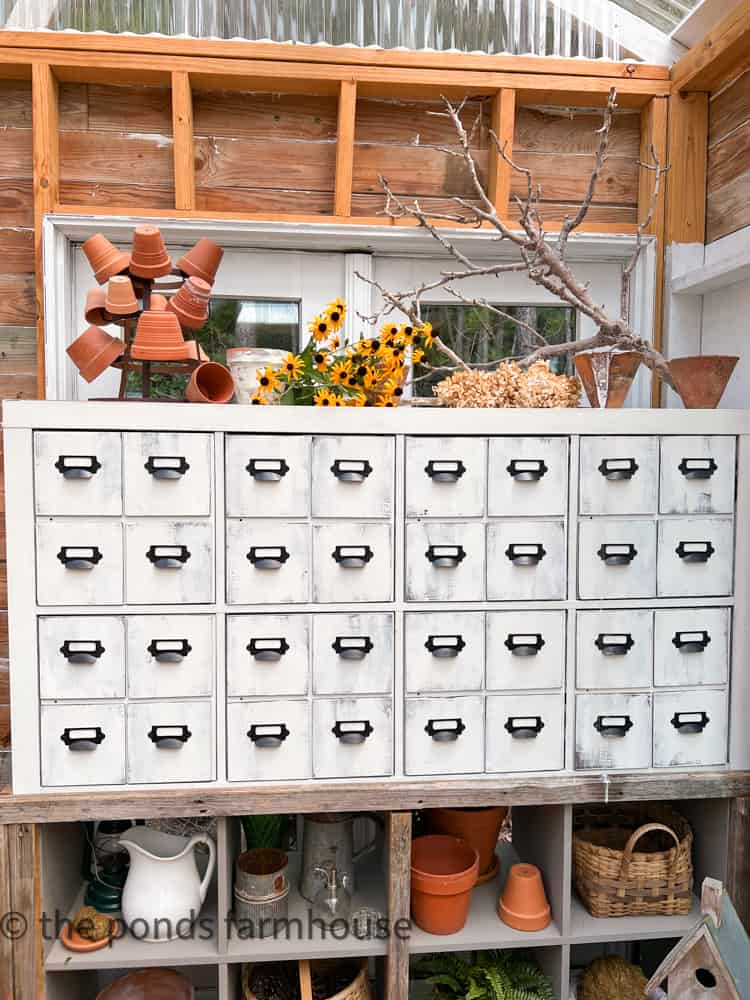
pixel 358 989
pixel 614 879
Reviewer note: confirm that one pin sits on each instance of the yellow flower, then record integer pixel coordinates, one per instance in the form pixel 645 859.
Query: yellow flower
pixel 293 366
pixel 258 399
pixel 393 388
pixel 385 401
pixel 334 343
pixel 406 333
pixel 358 399
pixel 340 372
pixel 320 360
pixel 417 354
pixel 389 330
pixel 269 380
pixel 370 379
pixel 336 313
pixel 320 328
pixel 371 347
pixel 338 401
pixel 425 334
pixel 324 397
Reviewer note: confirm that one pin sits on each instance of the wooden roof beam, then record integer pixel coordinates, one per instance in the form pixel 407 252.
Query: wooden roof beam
pixel 709 62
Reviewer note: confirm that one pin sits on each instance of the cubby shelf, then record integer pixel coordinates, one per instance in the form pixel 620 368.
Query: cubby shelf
pixel 586 929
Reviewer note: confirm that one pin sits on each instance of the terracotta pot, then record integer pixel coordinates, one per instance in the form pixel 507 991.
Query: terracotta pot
pixel 523 903
pixel 158 337
pixel 120 299
pixel 480 828
pixel 94 351
pixel 202 260
pixel 444 870
pixel 607 375
pixel 95 312
pixel 190 304
pixel 701 381
pixel 210 383
pixel 149 257
pixel 195 351
pixel 149 984
pixel 105 259
pixel 158 302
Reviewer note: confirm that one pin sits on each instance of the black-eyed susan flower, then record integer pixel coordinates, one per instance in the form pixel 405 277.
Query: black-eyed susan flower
pixel 324 397
pixel 425 334
pixel 334 343
pixel 269 380
pixel 258 399
pixel 358 399
pixel 417 354
pixel 393 388
pixel 293 366
pixel 320 328
pixel 385 401
pixel 320 360
pixel 369 379
pixel 336 313
pixel 373 346
pixel 389 330
pixel 340 372
pixel 406 333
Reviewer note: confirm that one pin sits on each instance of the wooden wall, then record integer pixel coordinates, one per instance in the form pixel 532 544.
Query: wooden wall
pixel 728 194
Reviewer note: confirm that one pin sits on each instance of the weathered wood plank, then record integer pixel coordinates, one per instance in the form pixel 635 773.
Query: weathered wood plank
pixel 3 633
pixel 369 205
pixel 264 200
pixel 17 302
pixel 16 153
pixel 16 251
pixel 729 159
pixel 24 870
pixel 738 859
pixel 722 48
pixel 137 159
pixel 182 129
pixel 728 209
pixel 237 115
pixel 16 199
pixel 417 123
pixel 129 109
pixel 74 107
pixel 729 110
pixel 6 944
pixel 15 104
pixel 131 196
pixel 569 130
pixel 17 343
pixel 294 164
pixel 398 834
pixel 686 184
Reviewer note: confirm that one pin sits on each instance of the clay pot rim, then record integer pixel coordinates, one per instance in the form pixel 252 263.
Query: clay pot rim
pixel 194 388
pixel 446 883
pixel 705 357
pixel 157 353
pixel 527 922
pixel 110 350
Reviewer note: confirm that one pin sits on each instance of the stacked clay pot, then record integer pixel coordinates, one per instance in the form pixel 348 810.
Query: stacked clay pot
pixel 479 827
pixel 158 337
pixel 149 257
pixel 105 259
pixel 201 261
pixel 94 351
pixel 190 304
pixel 523 903
pixel 120 299
pixel 95 311
pixel 444 870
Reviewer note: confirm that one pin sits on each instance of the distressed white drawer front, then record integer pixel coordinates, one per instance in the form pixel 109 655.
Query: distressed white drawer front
pixel 692 647
pixel 82 658
pixel 267 476
pixel 616 559
pixel 690 727
pixel 525 649
pixel 169 562
pixel 79 561
pixel 268 740
pixel 268 562
pixel 444 735
pixel 614 649
pixel 268 655
pixel 353 476
pixel 613 731
pixel 619 475
pixel 445 561
pixel 78 472
pixel 444 650
pixel 528 476
pixel 446 477
pixel 526 560
pixel 525 732
pixel 697 475
pixel 352 737
pixel 83 745
pixel 171 656
pixel 167 474
pixel 353 654
pixel 170 741
pixel 352 561
pixel 696 557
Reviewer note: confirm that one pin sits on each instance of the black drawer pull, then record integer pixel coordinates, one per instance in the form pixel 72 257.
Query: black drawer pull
pixel 527 470
pixel 447 471
pixel 697 468
pixel 349 470
pixel 618 468
pixel 353 733
pixel 352 556
pixel 691 642
pixel 79 556
pixel 81 650
pixel 523 554
pixel 267 470
pixel 695 552
pixel 614 643
pixel 445 556
pixel 524 727
pixel 613 554
pixel 268 735
pixel 166 466
pixel 268 556
pixel 445 730
pixel 524 643
pixel 268 649
pixel 78 466
pixel 87 739
pixel 169 650
pixel 445 645
pixel 168 556
pixel 169 737
pixel 690 722
pixel 352 647
pixel 613 725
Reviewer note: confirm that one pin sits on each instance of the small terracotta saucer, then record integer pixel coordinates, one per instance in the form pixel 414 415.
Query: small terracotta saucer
pixel 72 940
pixel 490 874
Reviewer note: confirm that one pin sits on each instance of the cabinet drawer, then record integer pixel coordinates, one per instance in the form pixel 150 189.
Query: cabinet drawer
pixel 268 740
pixel 526 561
pixel 78 472
pixel 446 477
pixel 525 732
pixel 696 557
pixel 268 562
pixel 697 475
pixel 167 475
pixel 444 651
pixel 525 649
pixel 614 649
pixel 444 735
pixel 445 561
pixel 171 656
pixel 169 562
pixel 267 476
pixel 692 647
pixel 83 745
pixel 82 658
pixel 690 727
pixel 353 476
pixel 79 562
pixel 613 731
pixel 170 741
pixel 616 559
pixel 352 737
pixel 528 476
pixel 352 562
pixel 619 475
pixel 267 654
pixel 353 654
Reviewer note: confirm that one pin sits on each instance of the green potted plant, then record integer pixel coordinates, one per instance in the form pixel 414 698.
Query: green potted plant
pixel 494 975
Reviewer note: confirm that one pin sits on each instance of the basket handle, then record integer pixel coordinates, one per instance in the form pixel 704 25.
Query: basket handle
pixel 305 979
pixel 627 854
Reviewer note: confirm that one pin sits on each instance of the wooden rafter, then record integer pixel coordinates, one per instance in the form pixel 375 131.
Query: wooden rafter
pixel 724 49
pixel 502 123
pixel 46 165
pixel 688 158
pixel 347 113
pixel 182 133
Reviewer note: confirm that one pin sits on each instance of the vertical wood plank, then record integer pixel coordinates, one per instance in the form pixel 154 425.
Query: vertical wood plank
pixel 738 860
pixel 688 158
pixel 25 874
pixel 6 945
pixel 46 185
pixel 182 149
pixel 398 839
pixel 502 123
pixel 345 147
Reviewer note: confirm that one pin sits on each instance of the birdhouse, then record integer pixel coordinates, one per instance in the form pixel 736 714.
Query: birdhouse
pixel 712 961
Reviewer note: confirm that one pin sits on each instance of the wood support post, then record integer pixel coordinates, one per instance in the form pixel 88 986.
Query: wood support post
pixel 21 975
pixel 398 840
pixel 688 158
pixel 738 860
pixel 46 166
pixel 182 149
pixel 502 123
pixel 345 147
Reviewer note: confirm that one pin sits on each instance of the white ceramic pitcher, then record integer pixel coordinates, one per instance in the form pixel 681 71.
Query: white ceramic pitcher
pixel 164 891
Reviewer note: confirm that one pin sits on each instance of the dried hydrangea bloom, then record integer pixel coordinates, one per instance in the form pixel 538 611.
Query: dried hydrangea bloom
pixel 509 386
